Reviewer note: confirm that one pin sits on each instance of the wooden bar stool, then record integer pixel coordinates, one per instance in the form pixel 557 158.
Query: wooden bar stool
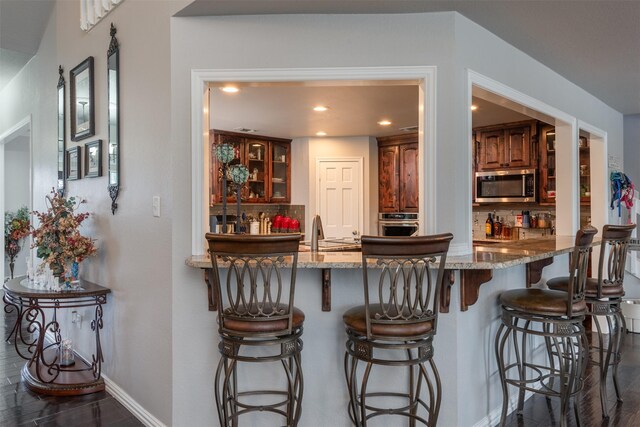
pixel 557 318
pixel 257 322
pixel 603 296
pixel 396 325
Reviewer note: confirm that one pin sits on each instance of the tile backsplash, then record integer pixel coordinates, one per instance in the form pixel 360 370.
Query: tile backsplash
pixel 480 216
pixel 270 210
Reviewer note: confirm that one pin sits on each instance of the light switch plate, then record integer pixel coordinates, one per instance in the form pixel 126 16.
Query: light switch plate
pixel 156 206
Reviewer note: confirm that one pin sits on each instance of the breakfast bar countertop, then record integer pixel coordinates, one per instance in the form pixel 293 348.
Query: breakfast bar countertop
pixel 491 256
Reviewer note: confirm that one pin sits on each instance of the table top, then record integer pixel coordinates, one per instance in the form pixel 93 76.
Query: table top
pixel 85 289
pixel 484 255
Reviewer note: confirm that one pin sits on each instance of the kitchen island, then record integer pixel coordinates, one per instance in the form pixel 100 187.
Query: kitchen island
pixel 464 344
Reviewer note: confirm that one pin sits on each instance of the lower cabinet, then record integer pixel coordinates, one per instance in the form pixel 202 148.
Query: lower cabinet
pixel 398 181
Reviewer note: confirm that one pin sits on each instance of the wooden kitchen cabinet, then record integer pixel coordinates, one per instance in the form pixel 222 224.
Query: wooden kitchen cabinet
pixel 547 169
pixel 398 176
pixel 505 146
pixel 268 160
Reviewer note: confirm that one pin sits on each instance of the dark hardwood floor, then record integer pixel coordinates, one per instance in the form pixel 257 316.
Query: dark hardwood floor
pixel 21 407
pixel 540 412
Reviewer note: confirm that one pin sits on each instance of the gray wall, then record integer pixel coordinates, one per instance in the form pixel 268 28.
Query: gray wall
pixel 159 339
pixel 446 40
pixel 632 169
pixel 134 247
pixel 632 147
pixel 16 191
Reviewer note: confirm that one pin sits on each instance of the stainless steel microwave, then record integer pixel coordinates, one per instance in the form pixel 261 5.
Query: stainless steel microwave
pixel 506 186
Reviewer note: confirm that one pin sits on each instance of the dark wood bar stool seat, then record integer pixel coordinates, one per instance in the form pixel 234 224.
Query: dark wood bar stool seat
pixel 603 295
pixel 551 318
pixel 257 323
pixel 395 327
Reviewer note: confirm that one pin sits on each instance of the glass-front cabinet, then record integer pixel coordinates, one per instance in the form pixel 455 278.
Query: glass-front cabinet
pixel 258 165
pixel 268 160
pixel 280 190
pixel 547 165
pixel 585 170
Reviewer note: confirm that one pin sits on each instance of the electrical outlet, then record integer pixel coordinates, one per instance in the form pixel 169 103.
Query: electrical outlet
pixel 76 319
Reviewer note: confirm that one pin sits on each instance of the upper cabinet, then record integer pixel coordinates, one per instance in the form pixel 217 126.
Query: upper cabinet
pixel 268 160
pixel 398 173
pixel 547 169
pixel 505 146
pixel 585 170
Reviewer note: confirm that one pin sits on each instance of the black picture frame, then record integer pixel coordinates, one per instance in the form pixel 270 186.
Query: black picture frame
pixel 82 101
pixel 73 163
pixel 93 159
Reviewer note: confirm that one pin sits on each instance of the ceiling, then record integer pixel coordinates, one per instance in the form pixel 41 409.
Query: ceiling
pixel 22 23
pixel 285 110
pixel 593 43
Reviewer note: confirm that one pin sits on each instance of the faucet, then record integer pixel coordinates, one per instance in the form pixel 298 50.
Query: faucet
pixel 316 233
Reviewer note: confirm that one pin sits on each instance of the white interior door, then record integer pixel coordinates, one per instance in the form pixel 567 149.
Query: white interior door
pixel 340 196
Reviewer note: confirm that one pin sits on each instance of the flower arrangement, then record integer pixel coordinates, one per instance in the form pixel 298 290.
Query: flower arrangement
pixel 16 227
pixel 57 239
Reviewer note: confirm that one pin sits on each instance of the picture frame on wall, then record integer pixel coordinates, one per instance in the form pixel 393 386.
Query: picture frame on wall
pixel 82 101
pixel 93 159
pixel 74 163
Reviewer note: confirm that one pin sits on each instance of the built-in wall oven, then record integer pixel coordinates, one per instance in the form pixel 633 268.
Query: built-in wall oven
pixel 398 224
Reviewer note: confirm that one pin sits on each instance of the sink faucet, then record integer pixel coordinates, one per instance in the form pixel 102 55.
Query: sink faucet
pixel 316 233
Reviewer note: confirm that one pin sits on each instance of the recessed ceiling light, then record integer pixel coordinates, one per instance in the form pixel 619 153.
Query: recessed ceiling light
pixel 320 108
pixel 230 89
pixel 384 122
pixel 321 133
pixel 474 107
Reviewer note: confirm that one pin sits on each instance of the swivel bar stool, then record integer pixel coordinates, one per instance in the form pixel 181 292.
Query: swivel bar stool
pixel 396 325
pixel 603 296
pixel 258 323
pixel 556 317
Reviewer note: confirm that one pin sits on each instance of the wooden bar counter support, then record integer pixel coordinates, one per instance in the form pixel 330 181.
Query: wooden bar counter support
pixel 534 270
pixel 42 373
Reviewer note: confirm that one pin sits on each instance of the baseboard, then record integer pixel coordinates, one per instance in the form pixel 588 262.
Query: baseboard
pixel 128 402
pixel 494 416
pixel 121 396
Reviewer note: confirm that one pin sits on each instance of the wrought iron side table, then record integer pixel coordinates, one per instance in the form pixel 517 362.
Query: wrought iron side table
pixel 43 373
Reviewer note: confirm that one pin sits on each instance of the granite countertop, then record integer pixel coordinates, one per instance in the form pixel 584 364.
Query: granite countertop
pixel 490 256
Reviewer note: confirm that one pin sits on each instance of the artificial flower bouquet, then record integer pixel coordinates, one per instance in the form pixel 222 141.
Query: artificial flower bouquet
pixel 57 239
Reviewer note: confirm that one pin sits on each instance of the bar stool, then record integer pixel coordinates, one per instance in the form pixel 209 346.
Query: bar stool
pixel 396 325
pixel 257 322
pixel 604 295
pixel 557 318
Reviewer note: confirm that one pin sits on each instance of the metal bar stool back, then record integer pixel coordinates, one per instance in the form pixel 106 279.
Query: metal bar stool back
pixel 604 296
pixel 556 318
pixel 396 325
pixel 257 322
